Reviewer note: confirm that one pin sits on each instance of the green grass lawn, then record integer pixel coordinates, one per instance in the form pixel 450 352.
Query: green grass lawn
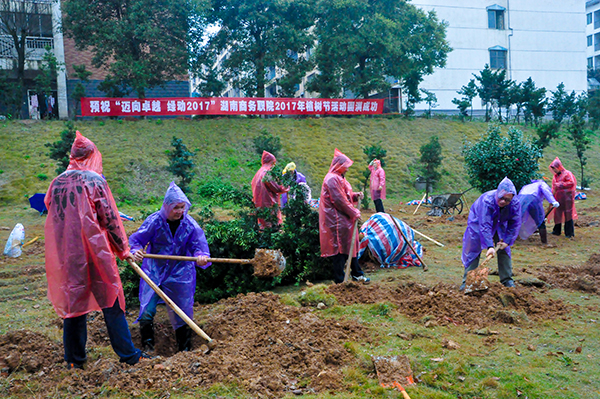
pixel 526 359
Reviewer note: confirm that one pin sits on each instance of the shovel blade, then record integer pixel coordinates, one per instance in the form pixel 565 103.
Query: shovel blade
pixel 268 262
pixel 477 280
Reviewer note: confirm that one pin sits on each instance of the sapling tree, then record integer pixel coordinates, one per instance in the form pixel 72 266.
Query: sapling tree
pixel 581 141
pixel 60 150
pixel 265 141
pixel 431 159
pixel 181 163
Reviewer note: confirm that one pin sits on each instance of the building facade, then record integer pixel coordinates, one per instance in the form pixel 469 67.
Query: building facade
pixel 541 39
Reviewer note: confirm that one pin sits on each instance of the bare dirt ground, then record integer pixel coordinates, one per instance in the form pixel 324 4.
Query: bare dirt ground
pixel 271 349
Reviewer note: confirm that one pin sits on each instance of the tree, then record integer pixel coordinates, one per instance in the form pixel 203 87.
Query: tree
pixel 593 108
pixel 265 141
pixel 430 99
pixel 534 100
pixel 581 141
pixel 546 133
pixel 83 76
pixel 562 105
pixel 431 159
pixel 60 150
pixel 258 34
pixel 49 69
pixel 142 43
pixel 18 20
pixel 468 93
pixel 493 90
pixel 365 42
pixel 493 157
pixel 181 163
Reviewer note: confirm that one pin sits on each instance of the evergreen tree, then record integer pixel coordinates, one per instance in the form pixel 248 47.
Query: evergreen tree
pixel 581 141
pixel 60 150
pixel 431 159
pixel 181 163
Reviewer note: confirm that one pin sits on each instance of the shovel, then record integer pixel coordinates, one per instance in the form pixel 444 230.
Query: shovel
pixel 210 342
pixel 477 278
pixel 266 262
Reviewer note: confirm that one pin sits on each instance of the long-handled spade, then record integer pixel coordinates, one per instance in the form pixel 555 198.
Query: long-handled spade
pixel 266 262
pixel 209 341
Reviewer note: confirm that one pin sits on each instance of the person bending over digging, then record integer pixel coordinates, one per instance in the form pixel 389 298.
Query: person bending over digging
pixel 83 230
pixel 533 217
pixel 563 188
pixel 170 231
pixel 494 218
pixel 337 216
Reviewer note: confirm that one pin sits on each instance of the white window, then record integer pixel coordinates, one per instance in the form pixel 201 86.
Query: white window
pixel 496 17
pixel 498 57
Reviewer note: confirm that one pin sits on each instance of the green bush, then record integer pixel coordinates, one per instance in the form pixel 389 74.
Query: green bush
pixel 42 176
pixel 181 163
pixel 495 156
pixel 265 141
pixel 60 150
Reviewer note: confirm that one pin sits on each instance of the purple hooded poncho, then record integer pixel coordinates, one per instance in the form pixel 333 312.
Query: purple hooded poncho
pixel 531 198
pixel 486 219
pixel 176 278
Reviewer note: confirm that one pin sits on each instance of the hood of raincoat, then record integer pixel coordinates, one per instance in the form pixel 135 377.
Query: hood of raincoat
pixel 85 155
pixel 174 196
pixel 375 164
pixel 340 163
pixel 557 164
pixel 268 159
pixel 505 187
pixel 290 167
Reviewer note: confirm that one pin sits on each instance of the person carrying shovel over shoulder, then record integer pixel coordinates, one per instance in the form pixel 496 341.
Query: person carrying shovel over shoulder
pixel 494 218
pixel 170 231
pixel 337 217
pixel 83 233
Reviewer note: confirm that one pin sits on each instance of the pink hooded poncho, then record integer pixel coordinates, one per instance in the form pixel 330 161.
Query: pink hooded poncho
pixel 265 191
pixel 83 231
pixel 563 188
pixel 336 210
pixel 377 180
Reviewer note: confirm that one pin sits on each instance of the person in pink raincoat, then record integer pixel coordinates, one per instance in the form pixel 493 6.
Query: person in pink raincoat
pixel 265 191
pixel 83 233
pixel 531 197
pixel 494 218
pixel 377 184
pixel 337 217
pixel 563 188
pixel 170 231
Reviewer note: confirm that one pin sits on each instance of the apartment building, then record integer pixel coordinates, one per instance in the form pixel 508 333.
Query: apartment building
pixel 541 39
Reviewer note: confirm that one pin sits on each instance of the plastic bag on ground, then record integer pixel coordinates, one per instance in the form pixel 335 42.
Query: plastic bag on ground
pixel 15 241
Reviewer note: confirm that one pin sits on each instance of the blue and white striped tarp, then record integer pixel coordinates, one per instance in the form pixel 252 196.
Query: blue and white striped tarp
pixel 386 244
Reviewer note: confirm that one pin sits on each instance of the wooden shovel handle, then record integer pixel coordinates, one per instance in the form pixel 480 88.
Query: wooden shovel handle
pixel 171 304
pixel 489 257
pixel 192 259
pixel 349 261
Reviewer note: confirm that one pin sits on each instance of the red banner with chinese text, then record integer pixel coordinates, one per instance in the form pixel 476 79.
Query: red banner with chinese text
pixel 228 106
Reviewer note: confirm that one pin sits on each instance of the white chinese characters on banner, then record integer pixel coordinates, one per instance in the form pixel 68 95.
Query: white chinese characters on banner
pixel 228 106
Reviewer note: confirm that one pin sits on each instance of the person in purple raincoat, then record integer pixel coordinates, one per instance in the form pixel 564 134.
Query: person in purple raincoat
pixel 533 217
pixel 494 218
pixel 297 176
pixel 170 231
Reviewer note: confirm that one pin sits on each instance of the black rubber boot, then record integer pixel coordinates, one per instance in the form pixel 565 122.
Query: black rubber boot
pixel 184 339
pixel 147 335
pixel 544 235
pixel 556 230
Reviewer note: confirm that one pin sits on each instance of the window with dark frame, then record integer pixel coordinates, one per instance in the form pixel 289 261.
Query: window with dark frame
pixel 589 18
pixel 498 58
pixel 596 41
pixel 596 19
pixel 590 63
pixel 590 40
pixel 496 17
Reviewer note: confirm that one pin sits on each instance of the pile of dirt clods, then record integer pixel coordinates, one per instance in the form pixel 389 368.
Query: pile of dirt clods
pixel 266 347
pixel 584 278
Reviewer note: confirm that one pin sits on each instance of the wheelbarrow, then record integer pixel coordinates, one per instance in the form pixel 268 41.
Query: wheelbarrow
pixel 447 204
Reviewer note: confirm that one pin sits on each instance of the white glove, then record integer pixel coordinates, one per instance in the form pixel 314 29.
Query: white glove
pixel 555 204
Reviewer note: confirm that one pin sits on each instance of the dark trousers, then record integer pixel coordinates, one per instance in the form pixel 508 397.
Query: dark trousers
pixel 378 205
pixel 504 265
pixel 75 336
pixel 569 228
pixel 339 266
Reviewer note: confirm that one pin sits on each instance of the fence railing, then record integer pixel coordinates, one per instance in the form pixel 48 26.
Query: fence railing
pixel 35 47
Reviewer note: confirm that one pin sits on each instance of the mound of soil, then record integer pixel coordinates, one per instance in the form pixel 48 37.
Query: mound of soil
pixel 266 347
pixel 444 304
pixel 584 278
